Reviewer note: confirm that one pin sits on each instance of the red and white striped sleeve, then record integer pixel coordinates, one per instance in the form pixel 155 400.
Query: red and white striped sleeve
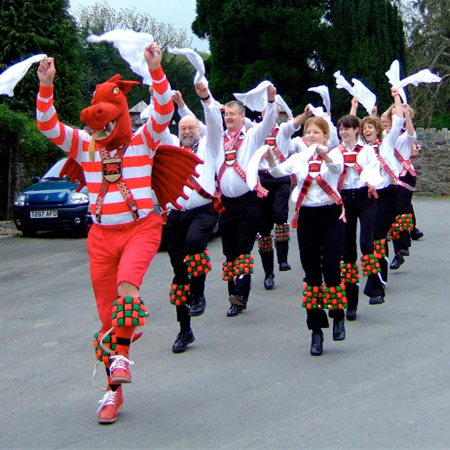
pixel 65 137
pixel 163 111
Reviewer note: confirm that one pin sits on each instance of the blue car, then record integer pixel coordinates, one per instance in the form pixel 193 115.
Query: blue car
pixel 51 204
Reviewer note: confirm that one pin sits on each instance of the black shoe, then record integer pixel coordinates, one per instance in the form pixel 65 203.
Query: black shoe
pixel 238 300
pixel 284 267
pixel 198 307
pixel 376 300
pixel 416 234
pixel 183 339
pixel 397 262
pixel 404 252
pixel 351 314
pixel 269 282
pixel 338 330
pixel 316 344
pixel 234 311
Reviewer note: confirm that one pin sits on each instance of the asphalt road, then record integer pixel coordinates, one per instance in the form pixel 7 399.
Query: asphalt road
pixel 247 382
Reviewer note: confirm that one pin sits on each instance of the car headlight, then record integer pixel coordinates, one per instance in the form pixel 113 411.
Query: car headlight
pixel 20 200
pixel 78 198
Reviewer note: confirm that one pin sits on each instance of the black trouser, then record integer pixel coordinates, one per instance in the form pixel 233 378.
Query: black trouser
pixel 386 212
pixel 404 206
pixel 321 243
pixel 358 205
pixel 188 233
pixel 274 209
pixel 238 227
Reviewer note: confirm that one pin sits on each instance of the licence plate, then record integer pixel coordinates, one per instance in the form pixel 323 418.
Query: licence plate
pixel 45 214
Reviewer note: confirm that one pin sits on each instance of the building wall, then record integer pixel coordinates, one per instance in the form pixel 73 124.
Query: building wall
pixel 433 163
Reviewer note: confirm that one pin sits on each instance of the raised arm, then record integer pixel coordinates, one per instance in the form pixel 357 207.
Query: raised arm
pixel 213 119
pixel 163 112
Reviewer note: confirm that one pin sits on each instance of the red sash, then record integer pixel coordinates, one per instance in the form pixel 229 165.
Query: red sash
pixel 350 162
pixel 314 168
pixel 230 149
pixel 406 163
pixel 388 170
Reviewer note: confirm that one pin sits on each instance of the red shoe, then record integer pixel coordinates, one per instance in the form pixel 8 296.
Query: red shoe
pixel 110 405
pixel 120 370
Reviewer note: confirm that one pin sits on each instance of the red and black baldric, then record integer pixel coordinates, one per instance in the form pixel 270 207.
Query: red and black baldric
pixel 387 169
pixel 314 175
pixel 112 173
pixel 406 163
pixel 271 142
pixel 350 162
pixel 231 148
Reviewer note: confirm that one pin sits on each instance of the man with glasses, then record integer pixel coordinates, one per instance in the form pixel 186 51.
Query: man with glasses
pixel 189 229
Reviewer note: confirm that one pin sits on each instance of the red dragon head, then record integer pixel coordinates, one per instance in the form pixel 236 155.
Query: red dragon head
pixel 108 115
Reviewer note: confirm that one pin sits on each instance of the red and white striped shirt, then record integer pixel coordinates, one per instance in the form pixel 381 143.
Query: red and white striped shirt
pixel 137 162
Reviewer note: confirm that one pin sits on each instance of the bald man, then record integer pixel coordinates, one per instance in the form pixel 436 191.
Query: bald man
pixel 189 229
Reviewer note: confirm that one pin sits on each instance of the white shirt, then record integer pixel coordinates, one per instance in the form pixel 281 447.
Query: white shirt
pixel 386 150
pixel 367 160
pixel 298 164
pixel 403 145
pixel 208 151
pixel 231 184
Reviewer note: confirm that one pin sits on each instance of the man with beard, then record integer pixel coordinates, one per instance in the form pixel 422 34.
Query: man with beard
pixel 188 230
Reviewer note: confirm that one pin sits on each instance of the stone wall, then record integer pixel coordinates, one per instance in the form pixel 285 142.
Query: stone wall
pixel 433 163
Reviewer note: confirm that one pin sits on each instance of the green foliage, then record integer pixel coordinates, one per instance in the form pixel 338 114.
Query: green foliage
pixel 255 40
pixel 20 131
pixel 102 60
pixel 29 28
pixel 365 36
pixel 429 37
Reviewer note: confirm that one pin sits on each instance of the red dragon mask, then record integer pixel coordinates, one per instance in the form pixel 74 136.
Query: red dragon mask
pixel 108 115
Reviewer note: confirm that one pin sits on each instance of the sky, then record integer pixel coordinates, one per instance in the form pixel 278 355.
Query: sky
pixel 179 13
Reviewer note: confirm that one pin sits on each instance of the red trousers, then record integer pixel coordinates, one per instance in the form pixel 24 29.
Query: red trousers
pixel 120 253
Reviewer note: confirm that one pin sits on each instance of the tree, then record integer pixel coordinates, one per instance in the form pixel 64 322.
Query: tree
pixel 29 28
pixel 429 47
pixel 365 36
pixel 26 29
pixel 255 40
pixel 100 18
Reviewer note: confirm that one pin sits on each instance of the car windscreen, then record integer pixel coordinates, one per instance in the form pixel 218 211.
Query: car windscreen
pixel 53 172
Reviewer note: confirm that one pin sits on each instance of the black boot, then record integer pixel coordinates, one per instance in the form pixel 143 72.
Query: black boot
pixel 416 234
pixel 316 343
pixel 339 330
pixel 197 307
pixel 183 339
pixel 397 262
pixel 267 263
pixel 269 282
pixel 282 254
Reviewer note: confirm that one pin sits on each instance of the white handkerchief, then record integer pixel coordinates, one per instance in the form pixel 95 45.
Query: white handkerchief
pixel 423 76
pixel 255 99
pixel 318 111
pixel 131 46
pixel 342 83
pixel 393 75
pixel 324 93
pixel 279 101
pixel 366 97
pixel 12 75
pixel 194 58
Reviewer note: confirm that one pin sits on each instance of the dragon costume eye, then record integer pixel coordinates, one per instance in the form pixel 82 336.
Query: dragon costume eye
pixel 116 90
